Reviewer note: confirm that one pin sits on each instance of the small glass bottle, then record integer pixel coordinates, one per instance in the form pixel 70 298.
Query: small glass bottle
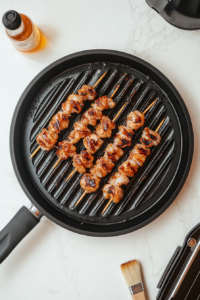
pixel 23 33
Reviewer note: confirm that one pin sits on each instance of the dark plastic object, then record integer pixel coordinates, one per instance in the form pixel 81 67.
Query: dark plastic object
pixel 33 191
pixel 189 8
pixel 12 234
pixel 11 20
pixel 175 266
pixel 184 14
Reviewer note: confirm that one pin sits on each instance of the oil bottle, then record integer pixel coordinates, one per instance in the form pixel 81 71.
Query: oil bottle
pixel 23 33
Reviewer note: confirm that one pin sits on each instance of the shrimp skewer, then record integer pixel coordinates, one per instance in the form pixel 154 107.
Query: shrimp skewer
pixel 113 190
pixel 74 104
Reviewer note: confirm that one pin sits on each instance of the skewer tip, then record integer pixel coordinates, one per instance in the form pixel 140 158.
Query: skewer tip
pixel 106 206
pixel 100 79
pixel 146 110
pixel 119 112
pixel 160 125
pixel 115 91
pixel 57 163
pixel 82 196
pixel 38 148
pixel 70 175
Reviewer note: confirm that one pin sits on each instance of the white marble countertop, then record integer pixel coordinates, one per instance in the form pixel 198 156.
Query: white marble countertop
pixel 51 262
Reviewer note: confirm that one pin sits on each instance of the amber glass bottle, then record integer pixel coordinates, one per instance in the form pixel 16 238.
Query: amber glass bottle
pixel 23 33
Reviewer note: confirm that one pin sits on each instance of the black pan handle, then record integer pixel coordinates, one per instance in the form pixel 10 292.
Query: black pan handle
pixel 12 234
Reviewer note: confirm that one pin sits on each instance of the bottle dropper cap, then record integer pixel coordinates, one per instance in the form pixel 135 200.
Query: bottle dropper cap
pixel 11 20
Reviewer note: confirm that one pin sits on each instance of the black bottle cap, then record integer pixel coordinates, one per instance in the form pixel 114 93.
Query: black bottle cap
pixel 11 20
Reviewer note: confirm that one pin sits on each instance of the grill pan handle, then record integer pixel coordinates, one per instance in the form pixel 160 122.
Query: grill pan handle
pixel 12 234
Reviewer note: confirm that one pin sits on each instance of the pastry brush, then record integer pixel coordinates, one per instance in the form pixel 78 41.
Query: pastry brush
pixel 132 275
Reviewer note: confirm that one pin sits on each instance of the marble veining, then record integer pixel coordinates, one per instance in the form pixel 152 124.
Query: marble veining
pixel 151 35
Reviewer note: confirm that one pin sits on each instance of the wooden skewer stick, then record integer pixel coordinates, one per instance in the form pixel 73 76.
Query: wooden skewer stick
pixel 160 125
pixel 146 110
pixel 119 112
pixel 40 147
pixel 106 206
pixel 99 80
pixel 70 175
pixel 79 200
pixel 111 198
pixel 115 91
pixel 57 163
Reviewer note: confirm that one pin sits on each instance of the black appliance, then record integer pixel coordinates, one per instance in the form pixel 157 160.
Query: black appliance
pixel 183 14
pixel 181 278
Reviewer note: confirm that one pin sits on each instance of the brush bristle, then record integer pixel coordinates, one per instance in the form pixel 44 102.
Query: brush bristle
pixel 131 272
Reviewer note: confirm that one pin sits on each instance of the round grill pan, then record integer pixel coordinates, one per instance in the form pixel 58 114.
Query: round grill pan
pixel 156 184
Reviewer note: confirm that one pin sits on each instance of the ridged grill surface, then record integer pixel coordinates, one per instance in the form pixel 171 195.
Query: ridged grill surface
pixel 151 181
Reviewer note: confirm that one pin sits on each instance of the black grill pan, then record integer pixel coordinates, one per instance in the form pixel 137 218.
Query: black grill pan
pixel 156 184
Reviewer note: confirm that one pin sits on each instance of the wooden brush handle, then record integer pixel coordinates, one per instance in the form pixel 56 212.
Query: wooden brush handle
pixel 139 296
